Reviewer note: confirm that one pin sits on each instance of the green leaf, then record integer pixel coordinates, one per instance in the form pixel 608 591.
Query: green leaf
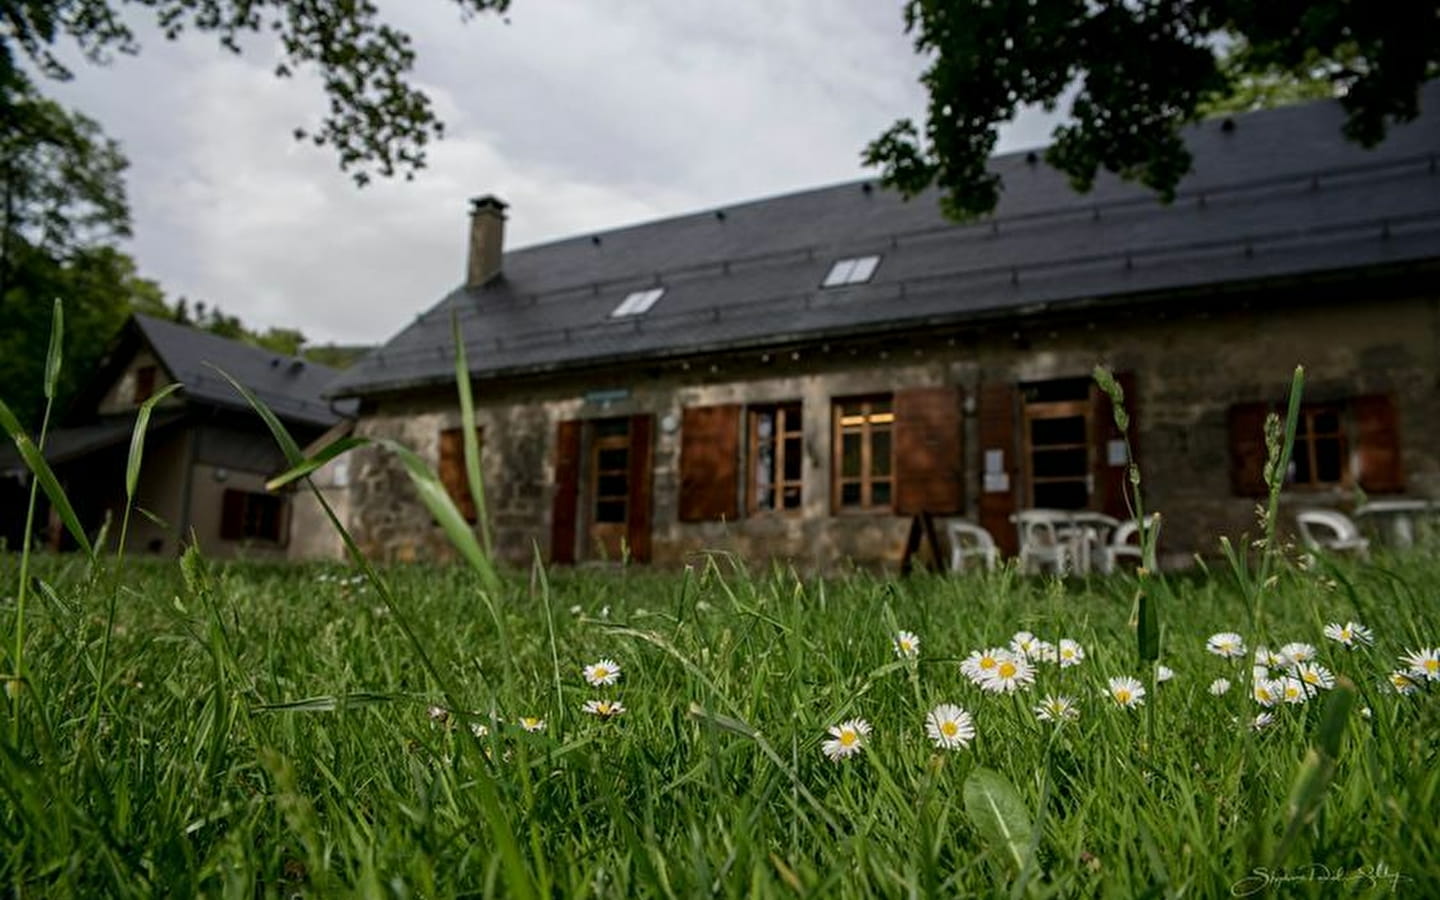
pixel 467 434
pixel 56 353
pixel 999 814
pixel 321 457
pixel 1335 716
pixel 35 460
pixel 329 703
pixel 137 439
pixel 1148 633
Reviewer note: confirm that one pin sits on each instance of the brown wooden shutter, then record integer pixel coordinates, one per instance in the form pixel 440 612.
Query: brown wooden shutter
pixel 1247 448
pixel 1377 445
pixel 638 522
pixel 1111 481
pixel 929 461
pixel 710 463
pixel 452 469
pixel 565 507
pixel 997 432
pixel 232 515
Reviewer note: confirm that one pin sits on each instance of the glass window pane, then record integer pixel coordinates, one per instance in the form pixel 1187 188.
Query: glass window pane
pixel 610 511
pixel 612 486
pixel 792 497
pixel 793 421
pixel 850 455
pixel 1300 463
pixel 881 405
pixel 880 452
pixel 1327 460
pixel 880 493
pixel 765 425
pixel 765 498
pixel 794 456
pixel 850 494
pixel 1059 463
pixel 612 459
pixel 1327 421
pixel 612 427
pixel 863 269
pixel 1065 430
pixel 1062 495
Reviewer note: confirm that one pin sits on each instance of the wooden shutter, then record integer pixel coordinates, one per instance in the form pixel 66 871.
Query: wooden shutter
pixel 564 508
pixel 638 522
pixel 929 462
pixel 710 463
pixel 232 515
pixel 1111 481
pixel 997 433
pixel 1247 448
pixel 1377 445
pixel 452 469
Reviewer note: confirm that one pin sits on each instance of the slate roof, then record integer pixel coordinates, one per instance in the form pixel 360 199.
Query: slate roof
pixel 293 388
pixel 1273 194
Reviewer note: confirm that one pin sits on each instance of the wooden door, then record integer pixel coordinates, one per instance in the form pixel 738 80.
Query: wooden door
pixel 1057 454
pixel 608 498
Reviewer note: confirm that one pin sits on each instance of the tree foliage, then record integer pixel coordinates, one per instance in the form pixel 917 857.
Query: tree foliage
pixel 377 122
pixel 1139 71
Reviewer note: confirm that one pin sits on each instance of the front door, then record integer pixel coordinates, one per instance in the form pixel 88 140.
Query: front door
pixel 1057 454
pixel 609 496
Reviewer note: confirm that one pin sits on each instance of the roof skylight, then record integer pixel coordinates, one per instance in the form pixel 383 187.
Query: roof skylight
pixel 637 303
pixel 855 270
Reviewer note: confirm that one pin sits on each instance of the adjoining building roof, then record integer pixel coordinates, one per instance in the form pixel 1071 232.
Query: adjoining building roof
pixel 291 387
pixel 1273 194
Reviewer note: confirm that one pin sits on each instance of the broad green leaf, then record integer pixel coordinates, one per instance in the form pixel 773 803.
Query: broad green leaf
pixel 293 456
pixel 35 460
pixel 137 439
pixel 999 814
pixel 1337 712
pixel 324 455
pixel 55 355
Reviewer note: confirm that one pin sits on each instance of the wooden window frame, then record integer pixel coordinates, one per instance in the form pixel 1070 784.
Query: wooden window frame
pixel 1306 443
pixel 867 429
pixel 1056 409
pixel 241 510
pixel 789 422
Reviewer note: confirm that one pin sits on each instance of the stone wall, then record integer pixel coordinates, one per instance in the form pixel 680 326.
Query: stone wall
pixel 1190 365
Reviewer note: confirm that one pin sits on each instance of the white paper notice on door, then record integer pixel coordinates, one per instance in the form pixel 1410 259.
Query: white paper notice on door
pixel 994 462
pixel 997 482
pixel 1115 453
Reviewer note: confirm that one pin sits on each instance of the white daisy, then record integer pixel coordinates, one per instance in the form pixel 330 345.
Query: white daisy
pixel 605 709
pixel 847 739
pixel 1127 691
pixel 1163 674
pixel 1423 663
pixel 1227 644
pixel 478 729
pixel 978 665
pixel 532 724
pixel 1008 676
pixel 1263 721
pixel 1043 651
pixel 1315 676
pixel 1268 692
pixel 1403 682
pixel 907 645
pixel 1297 652
pixel 438 714
pixel 1293 690
pixel 1057 709
pixel 1071 653
pixel 1220 686
pixel 1022 643
pixel 949 727
pixel 1263 657
pixel 1351 634
pixel 1260 673
pixel 603 673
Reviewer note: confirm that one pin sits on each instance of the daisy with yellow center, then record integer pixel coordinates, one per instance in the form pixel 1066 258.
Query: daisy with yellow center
pixel 1023 643
pixel 1403 682
pixel 1268 691
pixel 1351 634
pixel 907 645
pixel 1315 676
pixel 1008 676
pixel 846 739
pixel 978 665
pixel 1219 686
pixel 1227 644
pixel 1424 663
pixel 1127 691
pixel 1293 690
pixel 1057 709
pixel 1296 652
pixel 603 673
pixel 532 724
pixel 604 709
pixel 949 727
pixel 1071 653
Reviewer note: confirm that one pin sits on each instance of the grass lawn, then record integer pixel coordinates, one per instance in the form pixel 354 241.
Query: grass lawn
pixel 273 730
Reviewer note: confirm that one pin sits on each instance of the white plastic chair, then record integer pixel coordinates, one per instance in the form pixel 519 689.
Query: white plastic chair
pixel 1042 543
pixel 1125 543
pixel 1332 531
pixel 970 540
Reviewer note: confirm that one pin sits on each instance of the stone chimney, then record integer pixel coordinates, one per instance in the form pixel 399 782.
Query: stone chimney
pixel 487 239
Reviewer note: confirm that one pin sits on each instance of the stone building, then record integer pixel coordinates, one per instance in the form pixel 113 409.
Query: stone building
pixel 207 455
pixel 795 377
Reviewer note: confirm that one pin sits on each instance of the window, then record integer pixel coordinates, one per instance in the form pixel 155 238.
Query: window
pixel 637 303
pixel 452 469
pixel 1319 453
pixel 855 270
pixel 863 465
pixel 776 458
pixel 144 384
pixel 251 515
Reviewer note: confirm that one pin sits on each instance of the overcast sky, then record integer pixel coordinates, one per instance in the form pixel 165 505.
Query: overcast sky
pixel 582 116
